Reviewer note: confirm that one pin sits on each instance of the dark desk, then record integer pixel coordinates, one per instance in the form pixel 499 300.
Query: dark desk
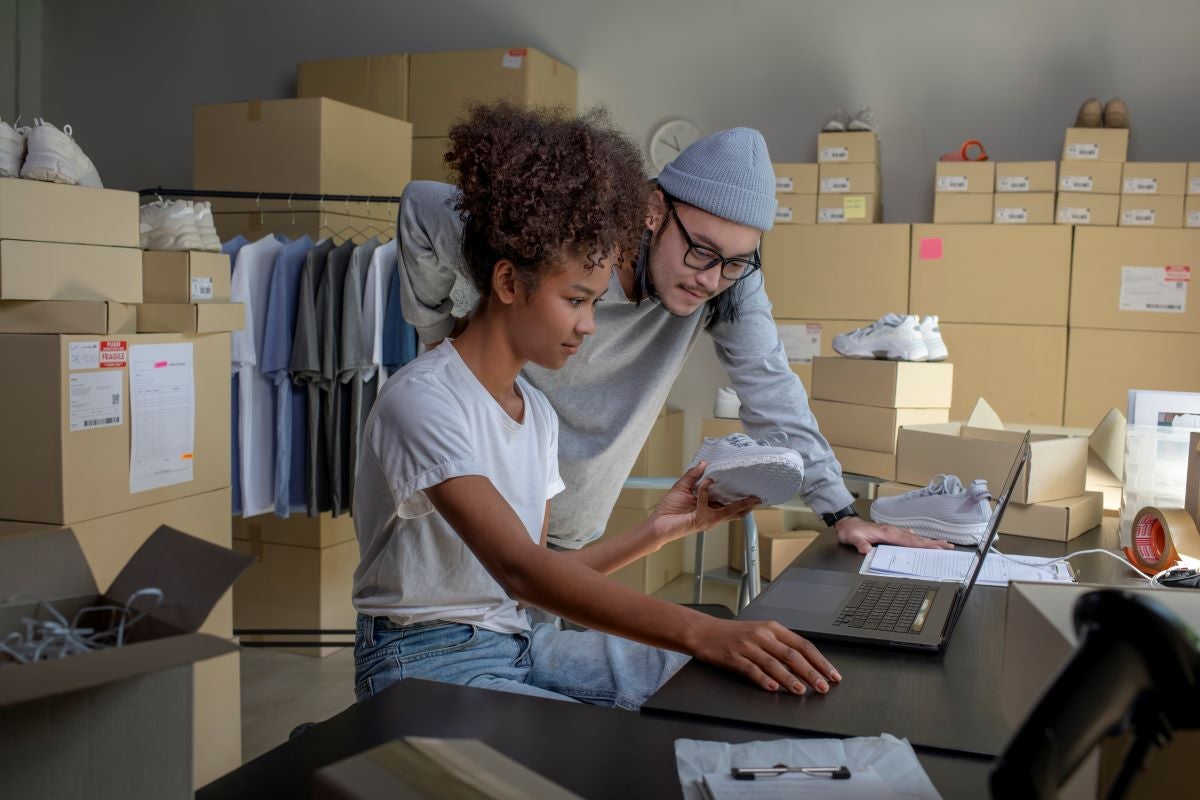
pixel 594 752
pixel 948 701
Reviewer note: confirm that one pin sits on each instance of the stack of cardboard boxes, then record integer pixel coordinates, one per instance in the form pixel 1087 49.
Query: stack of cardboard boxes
pixel 796 191
pixel 1024 192
pixel 431 90
pixel 1006 193
pixel 1191 203
pixel 108 431
pixel 963 191
pixel 850 188
pixel 1152 194
pixel 1089 176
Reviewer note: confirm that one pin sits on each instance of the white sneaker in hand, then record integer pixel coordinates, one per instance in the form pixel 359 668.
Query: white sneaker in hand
pixel 941 510
pixel 894 337
pixel 55 157
pixel 932 333
pixel 12 149
pixel 728 405
pixel 740 467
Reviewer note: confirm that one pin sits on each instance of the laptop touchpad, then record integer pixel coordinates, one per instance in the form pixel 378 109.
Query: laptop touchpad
pixel 815 591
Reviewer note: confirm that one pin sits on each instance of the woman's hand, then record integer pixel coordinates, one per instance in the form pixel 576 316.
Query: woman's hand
pixel 681 512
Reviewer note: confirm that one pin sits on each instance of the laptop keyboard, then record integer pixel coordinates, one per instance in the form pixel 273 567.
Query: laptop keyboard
pixel 893 607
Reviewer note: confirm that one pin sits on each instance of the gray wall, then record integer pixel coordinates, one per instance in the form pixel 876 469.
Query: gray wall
pixel 20 59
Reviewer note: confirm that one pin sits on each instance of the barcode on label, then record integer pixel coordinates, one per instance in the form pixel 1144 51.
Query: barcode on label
pixel 952 183
pixel 784 184
pixel 1141 216
pixel 92 423
pixel 116 399
pixel 1013 184
pixel 1165 306
pixel 1076 183
pixel 835 154
pixel 1078 215
pixel 1011 215
pixel 835 185
pixel 1141 185
pixel 1083 151
pixel 832 215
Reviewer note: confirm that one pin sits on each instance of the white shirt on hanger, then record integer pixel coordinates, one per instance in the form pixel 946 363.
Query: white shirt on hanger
pixel 381 271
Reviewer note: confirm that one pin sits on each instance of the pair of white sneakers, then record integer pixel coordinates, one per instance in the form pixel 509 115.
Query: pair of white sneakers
pixel 841 120
pixel 895 338
pixel 42 152
pixel 178 225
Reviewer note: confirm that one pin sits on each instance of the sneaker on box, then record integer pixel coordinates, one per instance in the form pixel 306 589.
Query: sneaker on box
pixel 55 157
pixel 741 467
pixel 12 149
pixel 892 337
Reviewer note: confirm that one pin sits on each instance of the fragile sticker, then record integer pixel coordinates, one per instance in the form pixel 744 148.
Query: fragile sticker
pixel 1083 150
pixel 855 207
pixel 1012 183
pixel 802 343
pixel 930 249
pixel 1075 216
pixel 1160 290
pixel 514 58
pixel 1009 215
pixel 783 214
pixel 1141 185
pixel 83 355
pixel 114 354
pixel 202 289
pixel 835 185
pixel 96 400
pixel 952 183
pixel 784 185
pixel 1076 183
pixel 1138 216
pixel 834 154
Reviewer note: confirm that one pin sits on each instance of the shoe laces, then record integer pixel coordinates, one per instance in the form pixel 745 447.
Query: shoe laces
pixel 940 485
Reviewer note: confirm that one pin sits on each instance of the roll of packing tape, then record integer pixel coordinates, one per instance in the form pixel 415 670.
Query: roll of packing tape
pixel 1160 537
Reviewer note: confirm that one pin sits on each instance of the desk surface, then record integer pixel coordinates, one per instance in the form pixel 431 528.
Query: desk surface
pixel 948 701
pixel 594 752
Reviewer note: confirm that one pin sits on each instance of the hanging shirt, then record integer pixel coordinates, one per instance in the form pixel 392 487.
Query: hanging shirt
pixel 353 358
pixel 399 337
pixel 329 323
pixel 231 249
pixel 305 369
pixel 291 406
pixel 383 267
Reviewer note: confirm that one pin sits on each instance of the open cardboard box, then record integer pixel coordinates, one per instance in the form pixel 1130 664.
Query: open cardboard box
pixel 113 723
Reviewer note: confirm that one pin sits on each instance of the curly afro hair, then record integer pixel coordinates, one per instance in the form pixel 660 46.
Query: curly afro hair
pixel 540 185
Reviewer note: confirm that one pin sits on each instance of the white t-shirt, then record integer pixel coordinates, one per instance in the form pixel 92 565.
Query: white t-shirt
pixel 379 276
pixel 434 421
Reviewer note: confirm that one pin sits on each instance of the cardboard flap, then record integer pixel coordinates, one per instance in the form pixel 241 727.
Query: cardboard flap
pixel 193 575
pixel 43 566
pixel 25 682
pixel 984 416
pixel 1108 443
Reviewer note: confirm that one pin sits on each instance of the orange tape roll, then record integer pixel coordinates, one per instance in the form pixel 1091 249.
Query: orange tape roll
pixel 1159 537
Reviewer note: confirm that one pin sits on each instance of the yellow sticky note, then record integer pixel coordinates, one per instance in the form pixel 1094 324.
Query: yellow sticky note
pixel 855 207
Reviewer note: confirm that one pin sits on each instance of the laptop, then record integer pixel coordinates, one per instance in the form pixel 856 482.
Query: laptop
pixel 877 610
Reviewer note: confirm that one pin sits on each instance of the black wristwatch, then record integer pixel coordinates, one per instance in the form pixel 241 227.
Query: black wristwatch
pixel 831 519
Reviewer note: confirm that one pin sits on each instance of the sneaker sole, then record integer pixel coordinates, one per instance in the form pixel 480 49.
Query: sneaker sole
pixel 772 479
pixel 931 527
pixel 41 167
pixel 888 353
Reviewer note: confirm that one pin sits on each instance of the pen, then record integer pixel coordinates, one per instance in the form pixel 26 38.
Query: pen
pixel 750 773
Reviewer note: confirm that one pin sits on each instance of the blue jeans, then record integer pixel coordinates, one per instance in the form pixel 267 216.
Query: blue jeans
pixel 583 666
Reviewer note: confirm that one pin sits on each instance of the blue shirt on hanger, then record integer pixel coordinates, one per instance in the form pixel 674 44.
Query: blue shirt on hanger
pixel 231 249
pixel 399 338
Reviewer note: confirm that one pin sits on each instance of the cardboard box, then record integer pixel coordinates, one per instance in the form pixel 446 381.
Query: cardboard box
pixel 848 209
pixel 805 340
pixel 768 520
pixel 1035 208
pixel 1055 520
pixel 884 384
pixel 55 271
pixel 662 454
pixel 1020 369
pixel 1026 176
pixel 1056 468
pixel 66 475
pixel 1106 460
pixel 1193 178
pixel 1151 211
pixel 185 277
pixel 376 83
pixel 217 718
pixel 849 178
pixel 1096 144
pixel 440 84
pixel 796 178
pixel 1088 209
pixel 38 211
pixel 1094 177
pixel 1136 280
pixel 1191 211
pixel 298 530
pixel 970 177
pixel 311 145
pixel 1103 365
pixel 854 147
pixel 990 273
pixel 87 704
pixel 808 269
pixel 1191 500
pixel 429 163
pixel 191 317
pixel 1142 177
pixel 776 549
pixel 962 208
pixel 796 209
pixel 866 462
pixel 652 572
pixel 66 316
pixel 870 427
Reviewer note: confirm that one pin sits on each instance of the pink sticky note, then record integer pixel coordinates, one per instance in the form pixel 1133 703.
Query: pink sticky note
pixel 931 249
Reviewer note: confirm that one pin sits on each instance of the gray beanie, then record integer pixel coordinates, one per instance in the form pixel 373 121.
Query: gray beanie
pixel 728 174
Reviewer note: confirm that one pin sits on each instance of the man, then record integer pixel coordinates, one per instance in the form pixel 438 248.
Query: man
pixel 697 271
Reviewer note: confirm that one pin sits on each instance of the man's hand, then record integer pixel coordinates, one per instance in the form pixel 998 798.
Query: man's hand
pixel 863 535
pixel 681 513
pixel 768 654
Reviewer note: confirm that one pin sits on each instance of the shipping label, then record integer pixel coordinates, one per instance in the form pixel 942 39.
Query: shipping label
pixel 784 185
pixel 1160 290
pixel 1137 216
pixel 802 343
pixel 83 355
pixel 1141 185
pixel 1194 186
pixel 832 185
pixel 834 154
pixel 831 215
pixel 114 354
pixel 1004 215
pixel 1075 216
pixel 1076 183
pixel 97 400
pixel 1083 150
pixel 1013 183
pixel 952 183
pixel 783 214
pixel 1193 219
pixel 202 289
pixel 514 58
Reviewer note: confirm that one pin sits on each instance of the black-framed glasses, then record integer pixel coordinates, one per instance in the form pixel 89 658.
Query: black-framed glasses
pixel 700 257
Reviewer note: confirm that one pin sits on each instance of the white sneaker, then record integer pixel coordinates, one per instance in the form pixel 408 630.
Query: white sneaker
pixel 54 156
pixel 892 336
pixel 205 228
pixel 1186 421
pixel 942 510
pixel 12 149
pixel 837 122
pixel 932 334
pixel 168 225
pixel 863 121
pixel 728 405
pixel 741 467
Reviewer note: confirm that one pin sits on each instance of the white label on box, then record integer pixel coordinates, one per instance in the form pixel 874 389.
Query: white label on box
pixel 1194 186
pixel 1158 289
pixel 1077 216
pixel 83 355
pixel 1193 219
pixel 97 400
pixel 1141 185
pixel 784 185
pixel 831 215
pixel 1138 216
pixel 202 289
pixel 802 343
pixel 1081 150
pixel 162 411
pixel 1076 183
pixel 952 183
pixel 835 185
pixel 1012 215
pixel 513 59
pixel 783 214
pixel 835 154
pixel 1012 183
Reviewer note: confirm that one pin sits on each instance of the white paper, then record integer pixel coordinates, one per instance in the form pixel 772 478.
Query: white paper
pixel 783 214
pixel 513 59
pixel 952 183
pixel 1157 289
pixel 831 215
pixel 1137 216
pixel 1011 215
pixel 835 185
pixel 834 154
pixel 202 289
pixel 1081 150
pixel 863 784
pixel 802 343
pixel 1076 183
pixel 953 565
pixel 162 410
pixel 1141 185
pixel 1013 183
pixel 83 355
pixel 1080 216
pixel 97 399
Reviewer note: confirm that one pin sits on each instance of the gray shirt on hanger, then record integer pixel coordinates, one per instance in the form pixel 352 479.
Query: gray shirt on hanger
pixel 333 409
pixel 609 394
pixel 305 369
pixel 353 359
